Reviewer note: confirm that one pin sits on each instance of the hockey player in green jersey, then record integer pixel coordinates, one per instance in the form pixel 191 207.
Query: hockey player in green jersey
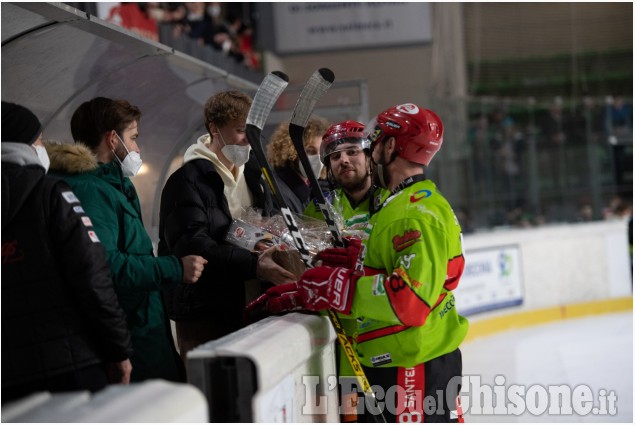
pixel 407 330
pixel 345 153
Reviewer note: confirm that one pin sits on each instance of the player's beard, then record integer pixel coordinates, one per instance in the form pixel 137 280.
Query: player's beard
pixel 355 185
pixel 357 182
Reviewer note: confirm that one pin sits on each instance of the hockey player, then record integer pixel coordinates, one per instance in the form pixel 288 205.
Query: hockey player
pixel 345 153
pixel 408 330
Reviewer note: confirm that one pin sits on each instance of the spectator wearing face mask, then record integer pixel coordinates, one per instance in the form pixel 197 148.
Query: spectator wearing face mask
pixel 62 326
pixel 98 167
pixel 218 182
pixel 288 170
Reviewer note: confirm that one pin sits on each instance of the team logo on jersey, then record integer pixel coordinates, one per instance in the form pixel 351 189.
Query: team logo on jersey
pixel 70 197
pixel 409 238
pixel 408 108
pixel 419 195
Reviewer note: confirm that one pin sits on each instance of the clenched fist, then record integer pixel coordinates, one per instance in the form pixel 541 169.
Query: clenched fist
pixel 193 266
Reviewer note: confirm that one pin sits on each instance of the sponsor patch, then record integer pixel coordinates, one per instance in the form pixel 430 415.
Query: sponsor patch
pixel 86 221
pixel 93 236
pixel 378 286
pixel 70 197
pixel 406 260
pixel 381 359
pixel 393 124
pixel 409 238
pixel 78 209
pixel 419 195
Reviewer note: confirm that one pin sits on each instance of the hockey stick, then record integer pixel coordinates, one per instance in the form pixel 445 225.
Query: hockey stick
pixel 314 89
pixel 270 89
pixel 317 85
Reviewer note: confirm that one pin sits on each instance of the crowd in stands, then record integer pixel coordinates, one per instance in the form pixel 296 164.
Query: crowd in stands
pixel 225 27
pixel 562 137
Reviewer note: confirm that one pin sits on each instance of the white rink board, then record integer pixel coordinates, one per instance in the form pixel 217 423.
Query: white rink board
pixel 558 265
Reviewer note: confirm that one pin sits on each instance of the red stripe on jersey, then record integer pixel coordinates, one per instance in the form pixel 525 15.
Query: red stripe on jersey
pixel 455 270
pixel 378 333
pixel 410 393
pixel 369 271
pixel 410 309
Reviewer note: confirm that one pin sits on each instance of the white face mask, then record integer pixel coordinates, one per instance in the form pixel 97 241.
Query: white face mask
pixel 131 163
pixel 214 10
pixel 316 166
pixel 43 156
pixel 236 154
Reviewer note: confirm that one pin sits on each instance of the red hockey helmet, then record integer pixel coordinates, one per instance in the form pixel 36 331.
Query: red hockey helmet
pixel 418 132
pixel 338 134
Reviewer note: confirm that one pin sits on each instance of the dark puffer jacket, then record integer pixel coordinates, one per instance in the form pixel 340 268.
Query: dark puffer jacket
pixel 194 219
pixel 59 310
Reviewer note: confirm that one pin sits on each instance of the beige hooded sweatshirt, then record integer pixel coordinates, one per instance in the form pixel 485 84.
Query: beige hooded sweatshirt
pixel 238 196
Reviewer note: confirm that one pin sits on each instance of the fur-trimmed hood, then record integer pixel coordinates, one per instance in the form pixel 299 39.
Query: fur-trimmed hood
pixel 71 158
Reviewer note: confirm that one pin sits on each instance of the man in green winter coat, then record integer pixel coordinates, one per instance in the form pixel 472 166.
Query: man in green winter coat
pixel 98 167
pixel 408 330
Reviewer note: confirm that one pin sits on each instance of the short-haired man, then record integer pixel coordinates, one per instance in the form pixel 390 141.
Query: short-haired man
pixel 98 167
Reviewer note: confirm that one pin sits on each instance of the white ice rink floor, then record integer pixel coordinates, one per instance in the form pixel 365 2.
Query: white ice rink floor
pixel 592 356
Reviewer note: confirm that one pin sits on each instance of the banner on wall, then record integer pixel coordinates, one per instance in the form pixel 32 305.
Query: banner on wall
pixel 491 280
pixel 310 27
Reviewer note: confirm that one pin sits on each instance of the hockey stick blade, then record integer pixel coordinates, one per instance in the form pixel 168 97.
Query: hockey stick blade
pixel 314 89
pixel 265 98
pixel 270 89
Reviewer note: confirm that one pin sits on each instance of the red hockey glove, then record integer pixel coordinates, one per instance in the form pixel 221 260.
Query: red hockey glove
pixel 279 299
pixel 318 289
pixel 341 257
pixel 327 287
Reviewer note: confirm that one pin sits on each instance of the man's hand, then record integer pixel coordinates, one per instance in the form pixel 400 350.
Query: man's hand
pixel 341 257
pixel 119 372
pixel 318 289
pixel 193 266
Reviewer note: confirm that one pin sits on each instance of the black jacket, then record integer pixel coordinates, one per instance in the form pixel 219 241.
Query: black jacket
pixel 294 190
pixel 59 309
pixel 194 219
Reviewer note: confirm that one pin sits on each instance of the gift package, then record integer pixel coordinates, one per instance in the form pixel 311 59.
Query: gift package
pixel 257 233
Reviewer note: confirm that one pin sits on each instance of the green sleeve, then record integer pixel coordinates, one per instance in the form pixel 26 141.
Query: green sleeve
pixel 129 252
